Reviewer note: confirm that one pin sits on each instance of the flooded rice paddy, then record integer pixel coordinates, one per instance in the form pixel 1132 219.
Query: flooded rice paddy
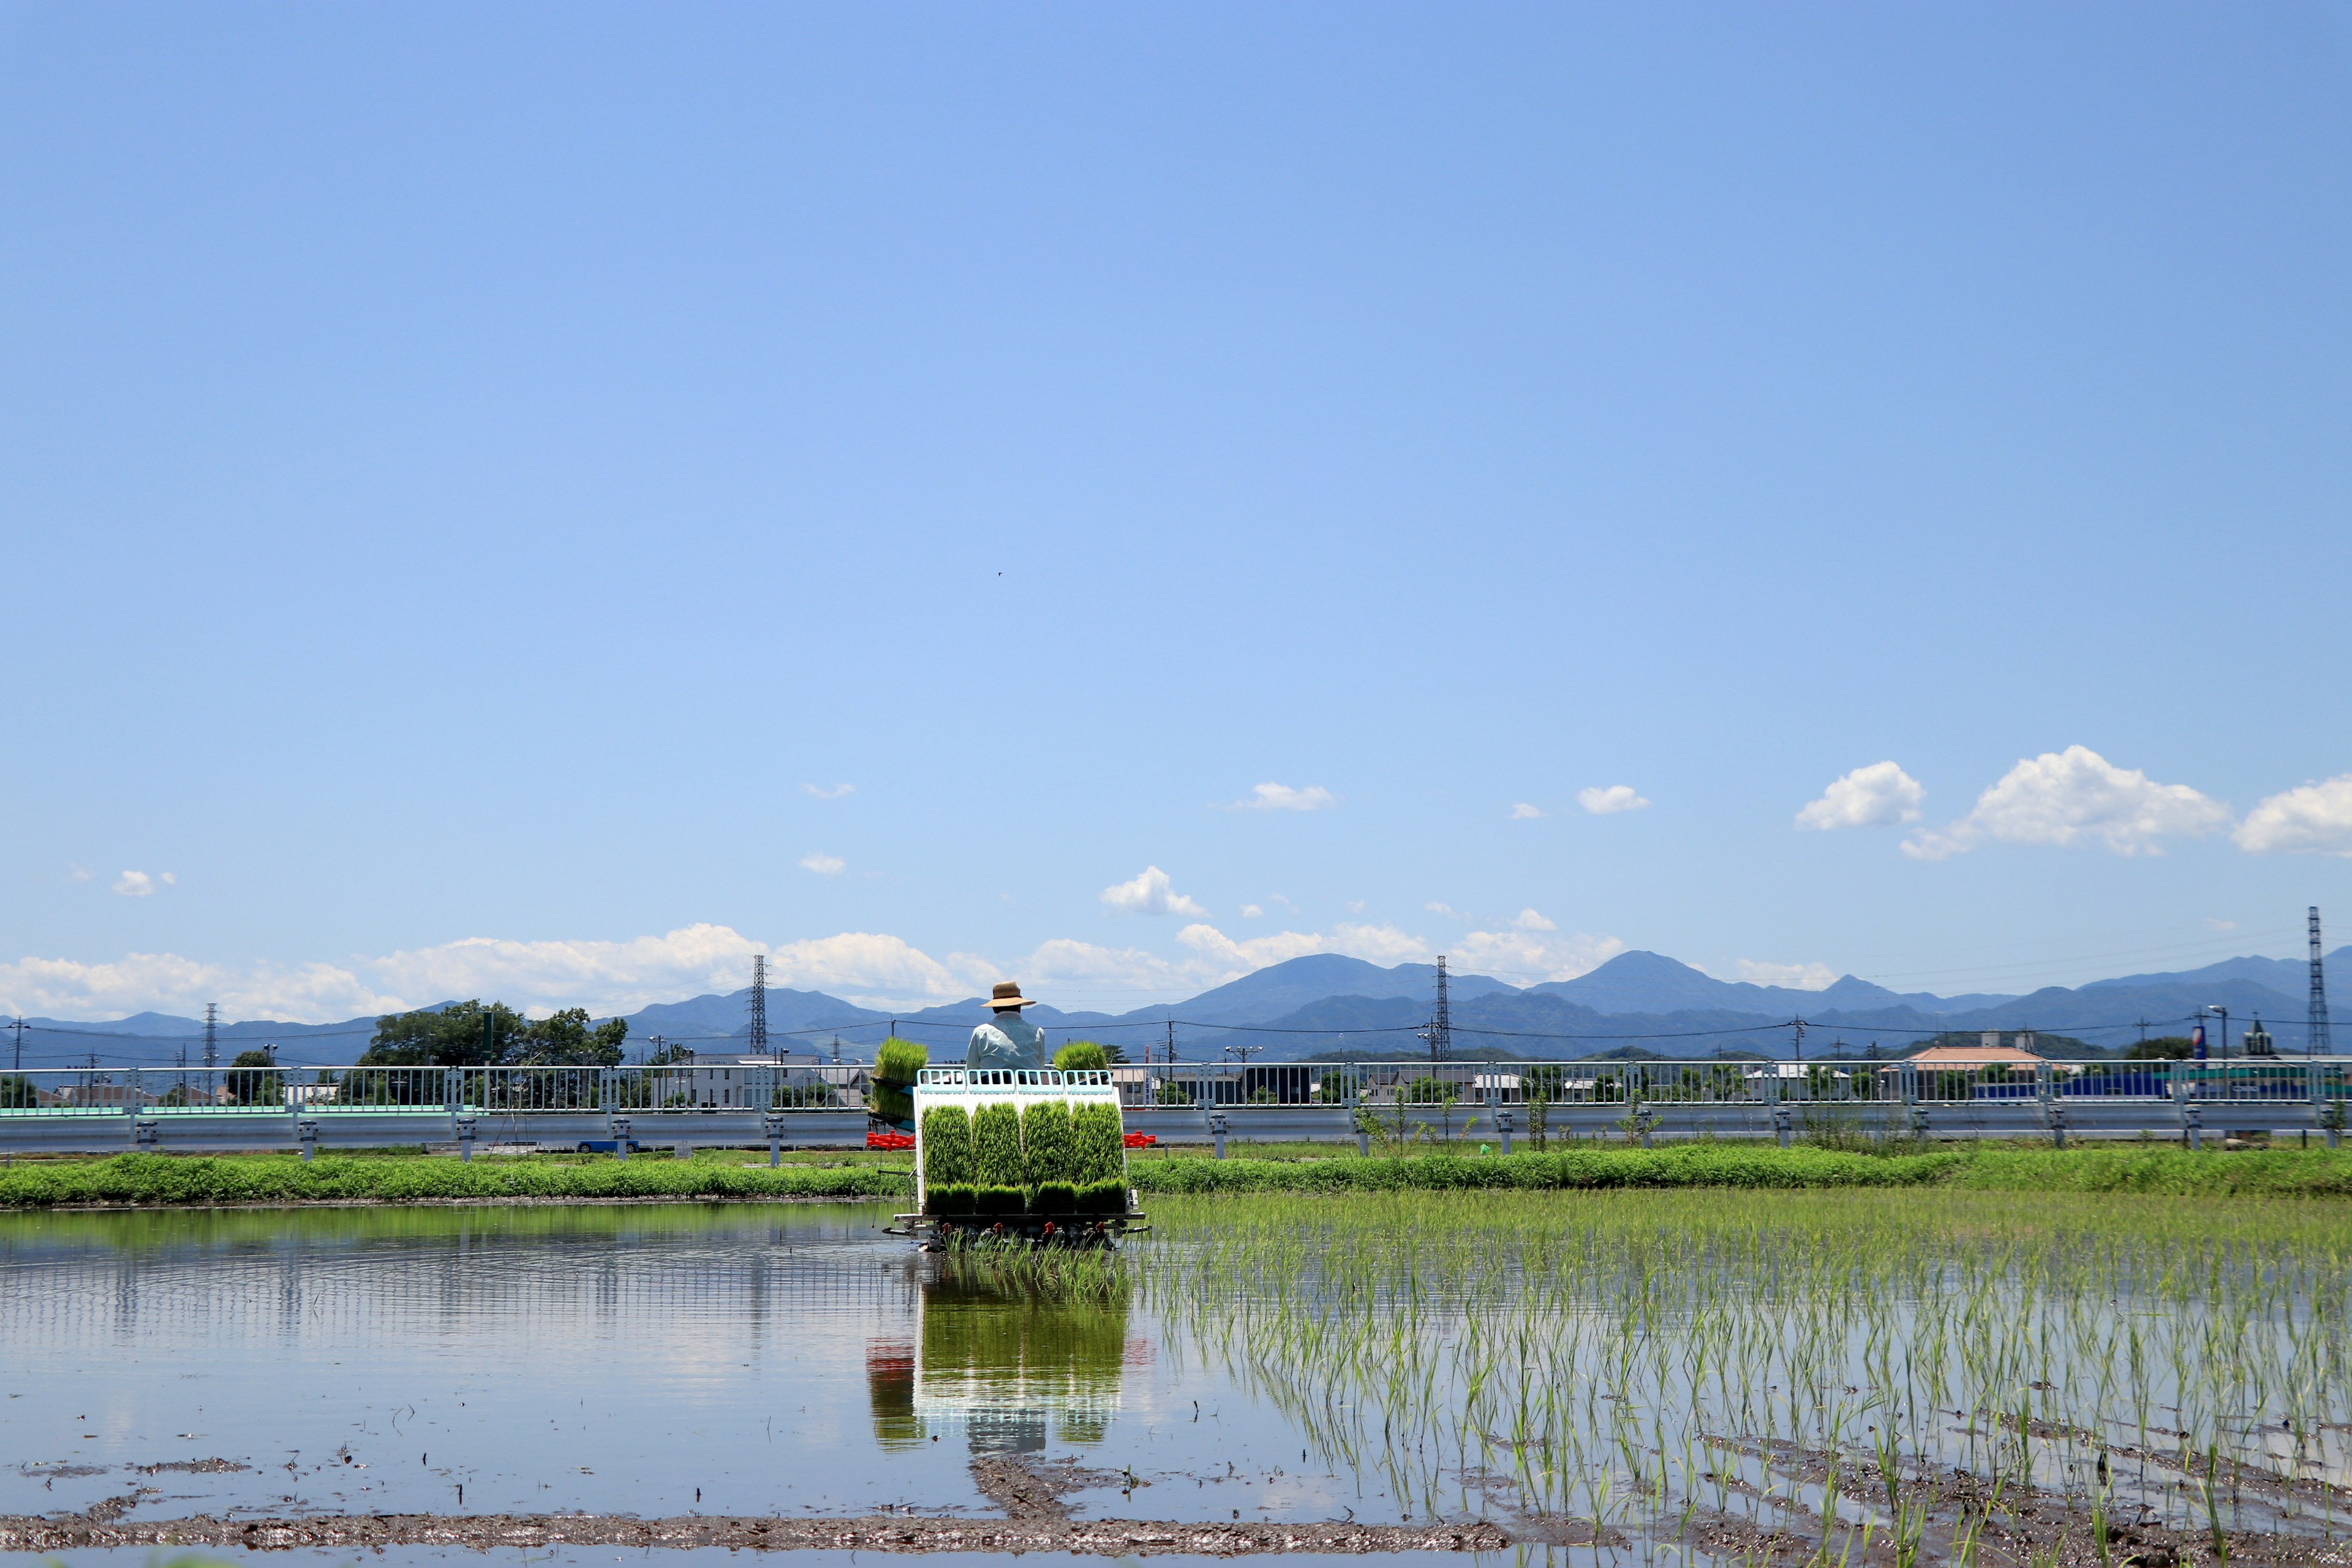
pixel 1892 1376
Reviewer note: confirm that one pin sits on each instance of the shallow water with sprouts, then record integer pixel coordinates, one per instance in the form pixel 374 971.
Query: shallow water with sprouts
pixel 1638 1365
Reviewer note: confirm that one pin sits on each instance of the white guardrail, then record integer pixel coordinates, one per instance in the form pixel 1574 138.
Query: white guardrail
pixel 108 1109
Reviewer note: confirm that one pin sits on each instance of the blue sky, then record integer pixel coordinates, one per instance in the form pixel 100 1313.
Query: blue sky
pixel 477 483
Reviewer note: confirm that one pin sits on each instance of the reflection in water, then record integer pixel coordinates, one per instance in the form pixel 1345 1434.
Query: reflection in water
pixel 1008 1354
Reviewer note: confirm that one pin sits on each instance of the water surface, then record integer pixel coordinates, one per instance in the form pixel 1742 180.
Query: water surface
pixel 648 1360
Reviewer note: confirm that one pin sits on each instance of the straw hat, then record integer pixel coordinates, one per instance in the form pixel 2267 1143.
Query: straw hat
pixel 1008 997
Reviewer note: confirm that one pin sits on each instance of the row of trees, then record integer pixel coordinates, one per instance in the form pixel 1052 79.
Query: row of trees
pixel 471 1034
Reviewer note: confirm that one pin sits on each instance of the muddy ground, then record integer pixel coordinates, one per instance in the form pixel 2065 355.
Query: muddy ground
pixel 2031 1532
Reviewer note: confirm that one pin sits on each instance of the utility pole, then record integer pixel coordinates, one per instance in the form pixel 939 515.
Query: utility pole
pixel 1440 1026
pixel 1799 1025
pixel 2225 1012
pixel 759 1003
pixel 2143 1031
pixel 1171 1047
pixel 212 1043
pixel 19 1026
pixel 2316 1042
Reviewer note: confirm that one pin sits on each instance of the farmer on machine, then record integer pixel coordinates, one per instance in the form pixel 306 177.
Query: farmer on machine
pixel 1008 1039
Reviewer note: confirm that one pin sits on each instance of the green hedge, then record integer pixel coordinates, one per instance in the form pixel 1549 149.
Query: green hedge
pixel 1710 1165
pixel 161 1179
pixel 2283 1173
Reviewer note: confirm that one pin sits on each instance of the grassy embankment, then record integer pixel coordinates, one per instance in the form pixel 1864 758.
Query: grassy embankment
pixel 152 1180
pixel 166 1179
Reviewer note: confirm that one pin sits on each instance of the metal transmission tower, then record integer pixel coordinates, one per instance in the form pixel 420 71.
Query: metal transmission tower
pixel 759 1003
pixel 212 1043
pixel 1441 1024
pixel 2319 1045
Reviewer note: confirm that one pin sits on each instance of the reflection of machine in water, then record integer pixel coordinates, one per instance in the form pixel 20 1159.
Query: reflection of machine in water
pixel 1007 1359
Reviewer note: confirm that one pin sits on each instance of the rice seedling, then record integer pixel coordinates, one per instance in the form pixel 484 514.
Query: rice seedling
pixel 1638 1360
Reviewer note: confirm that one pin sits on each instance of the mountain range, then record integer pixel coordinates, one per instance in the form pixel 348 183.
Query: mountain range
pixel 1326 1002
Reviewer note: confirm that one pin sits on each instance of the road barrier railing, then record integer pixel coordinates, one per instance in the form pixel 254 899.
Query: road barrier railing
pixel 700 1102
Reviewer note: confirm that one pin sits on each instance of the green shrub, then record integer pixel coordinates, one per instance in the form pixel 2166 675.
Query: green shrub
pixel 952 1198
pixel 996 1147
pixel 1097 1137
pixel 1103 1198
pixel 895 1066
pixel 1056 1198
pixel 167 1180
pixel 1048 1151
pixel 947 1146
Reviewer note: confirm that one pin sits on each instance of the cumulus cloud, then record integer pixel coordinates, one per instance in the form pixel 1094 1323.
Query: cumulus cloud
pixel 2064 797
pixel 2316 819
pixel 1251 911
pixel 1522 812
pixel 1448 911
pixel 1527 954
pixel 1799 977
pixel 836 793
pixel 1879 796
pixel 871 969
pixel 1377 944
pixel 136 884
pixel 1148 893
pixel 1282 797
pixel 824 864
pixel 1529 920
pixel 1615 798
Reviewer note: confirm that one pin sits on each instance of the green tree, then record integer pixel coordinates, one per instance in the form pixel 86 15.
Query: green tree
pixel 247 1086
pixel 567 1039
pixel 16 1093
pixel 451 1037
pixel 471 1034
pixel 2163 1049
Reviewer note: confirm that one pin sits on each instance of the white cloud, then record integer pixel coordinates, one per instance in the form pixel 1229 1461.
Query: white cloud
pixel 824 864
pixel 1876 796
pixel 78 874
pixel 1282 797
pixel 1522 812
pixel 2212 924
pixel 1799 976
pixel 1529 955
pixel 1529 920
pixel 135 884
pixel 1616 797
pixel 868 968
pixel 836 793
pixel 1251 911
pixel 1448 911
pixel 1148 893
pixel 2316 819
pixel 2062 797
pixel 1355 906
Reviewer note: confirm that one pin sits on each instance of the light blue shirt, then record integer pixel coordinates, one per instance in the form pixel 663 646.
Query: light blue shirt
pixel 1011 1041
